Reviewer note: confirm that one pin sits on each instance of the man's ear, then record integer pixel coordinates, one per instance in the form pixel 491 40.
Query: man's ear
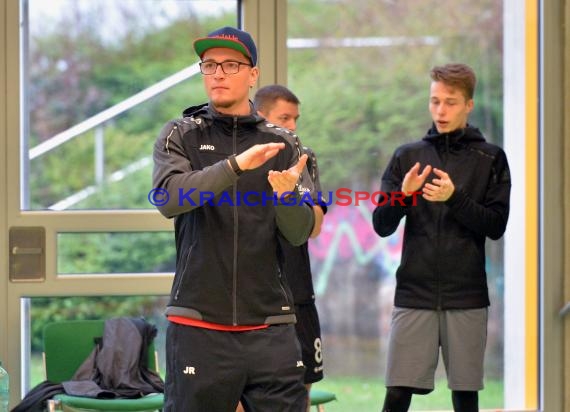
pixel 470 105
pixel 253 76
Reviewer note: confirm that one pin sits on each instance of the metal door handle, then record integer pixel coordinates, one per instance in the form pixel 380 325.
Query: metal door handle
pixel 16 250
pixel 27 249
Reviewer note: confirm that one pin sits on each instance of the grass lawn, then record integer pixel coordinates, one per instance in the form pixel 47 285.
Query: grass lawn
pixel 367 395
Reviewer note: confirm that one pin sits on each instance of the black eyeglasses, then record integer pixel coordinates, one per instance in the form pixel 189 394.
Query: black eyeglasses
pixel 228 67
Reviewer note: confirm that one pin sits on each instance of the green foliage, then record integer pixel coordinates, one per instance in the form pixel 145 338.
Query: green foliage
pixel 66 170
pixel 50 309
pixel 364 124
pixel 361 102
pixel 368 100
pixel 115 252
pixel 76 74
pixel 367 394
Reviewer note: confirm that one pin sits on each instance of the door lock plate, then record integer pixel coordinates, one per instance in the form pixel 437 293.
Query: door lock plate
pixel 27 254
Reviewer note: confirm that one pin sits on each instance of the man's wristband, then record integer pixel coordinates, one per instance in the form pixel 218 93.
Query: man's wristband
pixel 234 165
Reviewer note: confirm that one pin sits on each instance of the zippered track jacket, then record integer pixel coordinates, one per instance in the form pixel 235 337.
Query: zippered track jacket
pixel 443 254
pixel 226 226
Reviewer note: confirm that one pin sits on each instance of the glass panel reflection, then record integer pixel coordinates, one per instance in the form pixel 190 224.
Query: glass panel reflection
pixel 99 80
pixel 115 252
pixel 371 61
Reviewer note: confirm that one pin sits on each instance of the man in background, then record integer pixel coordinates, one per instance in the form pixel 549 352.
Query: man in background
pixel 441 295
pixel 280 106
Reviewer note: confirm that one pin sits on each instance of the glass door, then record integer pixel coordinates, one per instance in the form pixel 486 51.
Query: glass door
pixel 361 71
pixel 89 86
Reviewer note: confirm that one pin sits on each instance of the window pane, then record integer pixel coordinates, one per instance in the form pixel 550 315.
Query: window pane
pixel 373 61
pixel 116 252
pixel 98 87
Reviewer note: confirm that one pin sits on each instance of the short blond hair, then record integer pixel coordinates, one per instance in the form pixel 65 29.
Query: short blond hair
pixel 457 75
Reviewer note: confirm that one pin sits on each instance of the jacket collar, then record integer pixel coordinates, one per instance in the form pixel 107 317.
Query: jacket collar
pixel 459 136
pixel 208 111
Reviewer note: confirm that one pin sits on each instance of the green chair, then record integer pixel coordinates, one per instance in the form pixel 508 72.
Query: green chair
pixel 320 397
pixel 66 345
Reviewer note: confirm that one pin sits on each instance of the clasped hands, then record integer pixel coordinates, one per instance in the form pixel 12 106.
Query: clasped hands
pixel 281 181
pixel 439 190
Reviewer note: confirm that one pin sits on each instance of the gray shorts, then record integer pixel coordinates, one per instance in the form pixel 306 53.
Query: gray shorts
pixel 415 339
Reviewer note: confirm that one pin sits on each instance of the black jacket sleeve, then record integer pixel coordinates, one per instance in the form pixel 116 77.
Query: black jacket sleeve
pixel 386 217
pixel 296 220
pixel 488 219
pixel 173 173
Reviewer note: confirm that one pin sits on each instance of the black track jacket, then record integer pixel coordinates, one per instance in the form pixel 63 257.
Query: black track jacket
pixel 227 266
pixel 443 254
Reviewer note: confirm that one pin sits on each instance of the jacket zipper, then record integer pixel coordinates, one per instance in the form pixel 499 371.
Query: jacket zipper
pixel 236 227
pixel 439 225
pixel 183 273
pixel 282 287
